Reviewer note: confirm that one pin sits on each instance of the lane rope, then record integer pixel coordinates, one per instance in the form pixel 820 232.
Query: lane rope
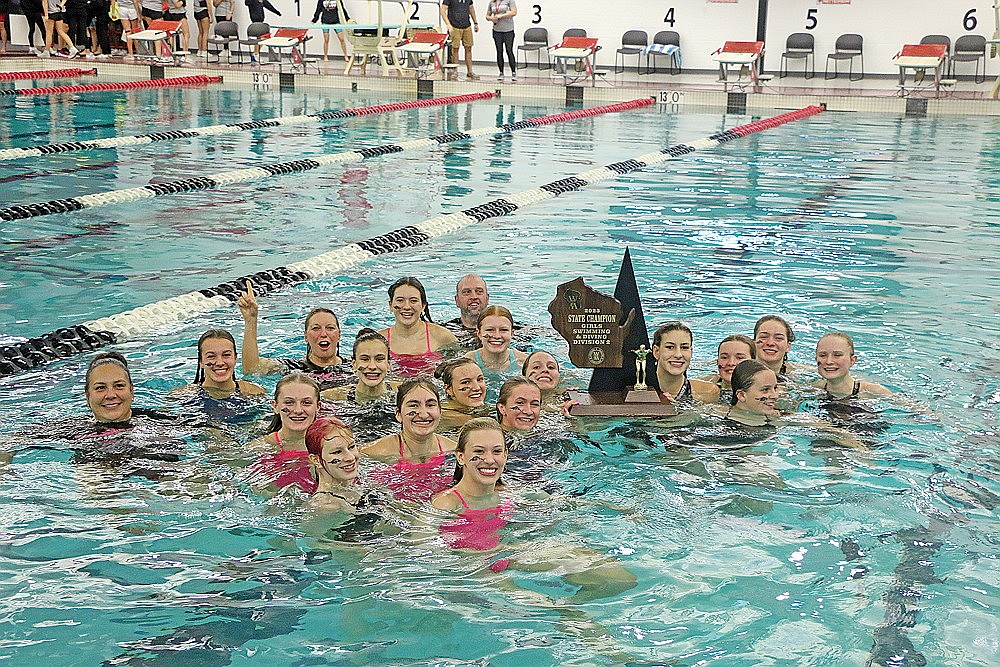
pixel 47 74
pixel 196 79
pixel 231 128
pixel 23 211
pixel 138 321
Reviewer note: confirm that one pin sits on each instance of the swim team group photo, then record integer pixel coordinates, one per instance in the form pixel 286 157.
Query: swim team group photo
pixel 484 332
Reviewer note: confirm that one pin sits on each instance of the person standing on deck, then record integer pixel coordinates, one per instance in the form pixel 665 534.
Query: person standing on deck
pixel 460 17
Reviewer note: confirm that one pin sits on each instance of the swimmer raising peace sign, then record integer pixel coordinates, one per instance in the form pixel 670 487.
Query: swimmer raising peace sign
pixel 322 335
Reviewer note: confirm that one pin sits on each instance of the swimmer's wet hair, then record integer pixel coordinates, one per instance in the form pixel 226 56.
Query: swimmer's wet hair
pixel 211 334
pixel 774 318
pixel 743 376
pixel 666 328
pixel 113 358
pixel 412 384
pixel 446 370
pixel 412 281
pixel 298 378
pixel 494 311
pixel 746 340
pixel 841 335
pixel 474 426
pixel 365 335
pixel 317 431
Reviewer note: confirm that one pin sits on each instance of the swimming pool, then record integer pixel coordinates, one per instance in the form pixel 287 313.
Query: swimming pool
pixel 880 226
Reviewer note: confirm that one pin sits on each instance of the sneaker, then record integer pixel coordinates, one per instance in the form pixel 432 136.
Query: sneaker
pixel 88 55
pixel 32 51
pixel 103 56
pixel 73 53
pixel 44 53
pixel 500 79
pixel 472 77
pixel 513 77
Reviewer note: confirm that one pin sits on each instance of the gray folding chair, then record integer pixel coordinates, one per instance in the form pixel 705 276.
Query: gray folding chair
pixel 847 47
pixel 968 49
pixel 633 43
pixel 226 34
pixel 255 32
pixel 537 40
pixel 799 45
pixel 666 38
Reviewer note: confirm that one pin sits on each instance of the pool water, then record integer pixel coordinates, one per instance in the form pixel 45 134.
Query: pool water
pixel 783 553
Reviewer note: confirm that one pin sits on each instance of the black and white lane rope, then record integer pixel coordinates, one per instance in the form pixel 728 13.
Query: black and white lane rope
pixel 232 128
pixel 139 321
pixel 219 179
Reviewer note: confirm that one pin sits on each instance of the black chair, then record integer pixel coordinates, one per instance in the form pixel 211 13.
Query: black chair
pixel 940 39
pixel 970 48
pixel 255 33
pixel 225 34
pixel 848 47
pixel 799 45
pixel 633 43
pixel 666 38
pixel 537 40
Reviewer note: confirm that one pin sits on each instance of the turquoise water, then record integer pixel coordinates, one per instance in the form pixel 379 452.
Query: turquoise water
pixel 783 554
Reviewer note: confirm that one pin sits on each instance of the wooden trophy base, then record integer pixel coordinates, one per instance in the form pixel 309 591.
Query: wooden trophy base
pixel 631 403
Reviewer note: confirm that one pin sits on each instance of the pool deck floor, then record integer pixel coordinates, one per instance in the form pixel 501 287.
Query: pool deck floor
pixel 874 93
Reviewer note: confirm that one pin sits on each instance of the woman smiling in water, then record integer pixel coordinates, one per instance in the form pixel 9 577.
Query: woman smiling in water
pixel 414 340
pixel 217 367
pixel 416 454
pixel 466 390
pixel 672 349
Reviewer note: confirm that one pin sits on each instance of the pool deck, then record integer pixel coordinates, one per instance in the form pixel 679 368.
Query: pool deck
pixel 873 94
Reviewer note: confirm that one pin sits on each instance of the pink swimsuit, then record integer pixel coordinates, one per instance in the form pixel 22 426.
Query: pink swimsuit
pixel 412 365
pixel 476 529
pixel 286 467
pixel 414 481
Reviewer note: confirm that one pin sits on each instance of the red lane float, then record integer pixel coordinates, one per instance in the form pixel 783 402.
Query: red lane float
pixel 415 104
pixel 47 74
pixel 123 85
pixel 769 123
pixel 593 111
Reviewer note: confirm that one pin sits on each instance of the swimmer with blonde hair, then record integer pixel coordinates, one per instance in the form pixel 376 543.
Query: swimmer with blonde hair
pixel 834 359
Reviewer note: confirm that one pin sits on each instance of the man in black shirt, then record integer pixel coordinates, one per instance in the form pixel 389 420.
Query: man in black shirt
pixel 460 17
pixel 471 297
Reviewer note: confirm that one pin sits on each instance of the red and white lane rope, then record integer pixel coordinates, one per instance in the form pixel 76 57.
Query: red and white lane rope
pixel 230 128
pixel 197 79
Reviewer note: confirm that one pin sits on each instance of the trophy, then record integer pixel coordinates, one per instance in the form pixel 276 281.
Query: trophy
pixel 615 345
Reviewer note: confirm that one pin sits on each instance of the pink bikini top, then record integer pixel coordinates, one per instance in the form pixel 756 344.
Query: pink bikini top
pixel 286 467
pixel 476 529
pixel 414 481
pixel 412 365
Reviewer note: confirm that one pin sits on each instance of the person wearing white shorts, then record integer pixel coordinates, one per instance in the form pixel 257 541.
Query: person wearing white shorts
pixel 128 13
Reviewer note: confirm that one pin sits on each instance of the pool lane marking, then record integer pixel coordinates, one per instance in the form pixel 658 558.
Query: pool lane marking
pixel 34 210
pixel 196 79
pixel 47 74
pixel 231 128
pixel 138 321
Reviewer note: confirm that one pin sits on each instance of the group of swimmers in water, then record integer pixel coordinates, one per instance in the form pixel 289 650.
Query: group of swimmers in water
pixel 494 395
